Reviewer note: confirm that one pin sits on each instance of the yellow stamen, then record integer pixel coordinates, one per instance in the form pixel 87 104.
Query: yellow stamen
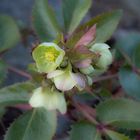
pixel 50 56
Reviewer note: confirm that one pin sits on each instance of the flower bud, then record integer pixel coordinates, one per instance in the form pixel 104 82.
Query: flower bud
pixel 98 72
pixel 87 70
pixel 103 51
pixel 48 56
pixel 89 80
pixel 49 99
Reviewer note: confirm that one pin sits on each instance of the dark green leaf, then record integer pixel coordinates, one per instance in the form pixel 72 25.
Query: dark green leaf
pixel 44 21
pixel 34 125
pixel 9 33
pixel 74 11
pixel 130 82
pixel 105 25
pixel 128 42
pixel 3 71
pixel 116 136
pixel 104 93
pixel 17 93
pixel 123 113
pixel 84 131
pixel 137 57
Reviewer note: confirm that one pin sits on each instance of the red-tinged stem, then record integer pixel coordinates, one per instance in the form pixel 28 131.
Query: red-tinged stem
pixel 103 78
pixel 88 112
pixel 23 106
pixel 20 72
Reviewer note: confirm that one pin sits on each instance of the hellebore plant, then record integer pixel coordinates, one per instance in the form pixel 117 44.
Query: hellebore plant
pixel 71 60
pixel 48 59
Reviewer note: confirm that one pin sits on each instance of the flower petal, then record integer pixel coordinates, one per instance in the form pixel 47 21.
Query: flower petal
pixel 62 107
pixel 55 100
pixel 105 54
pixel 80 80
pixel 37 98
pixel 54 73
pixel 87 70
pixel 105 59
pixel 99 47
pixel 83 63
pixel 50 100
pixel 89 80
pixel 64 81
pixel 48 56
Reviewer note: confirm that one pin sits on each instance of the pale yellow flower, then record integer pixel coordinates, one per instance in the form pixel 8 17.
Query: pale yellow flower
pixel 48 98
pixel 65 80
pixel 48 56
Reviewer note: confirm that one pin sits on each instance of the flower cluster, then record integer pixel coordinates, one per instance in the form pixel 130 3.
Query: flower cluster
pixel 66 69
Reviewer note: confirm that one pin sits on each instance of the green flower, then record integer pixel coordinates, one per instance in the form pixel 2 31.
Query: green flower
pixel 65 80
pixel 105 56
pixel 48 98
pixel 48 56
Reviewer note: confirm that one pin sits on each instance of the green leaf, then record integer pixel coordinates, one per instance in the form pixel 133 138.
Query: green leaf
pixel 137 57
pixel 17 93
pixel 44 21
pixel 74 11
pixel 3 71
pixel 34 125
pixel 105 25
pixel 128 42
pixel 116 136
pixel 130 82
pixel 84 131
pixel 2 111
pixel 9 33
pixel 123 113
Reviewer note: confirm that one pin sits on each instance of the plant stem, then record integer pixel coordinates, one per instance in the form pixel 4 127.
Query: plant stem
pixel 20 72
pixel 103 78
pixel 87 111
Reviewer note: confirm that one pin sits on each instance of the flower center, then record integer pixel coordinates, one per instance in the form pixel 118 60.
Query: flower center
pixel 51 54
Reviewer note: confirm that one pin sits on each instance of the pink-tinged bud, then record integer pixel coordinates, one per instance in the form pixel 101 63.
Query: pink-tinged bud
pixel 83 64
